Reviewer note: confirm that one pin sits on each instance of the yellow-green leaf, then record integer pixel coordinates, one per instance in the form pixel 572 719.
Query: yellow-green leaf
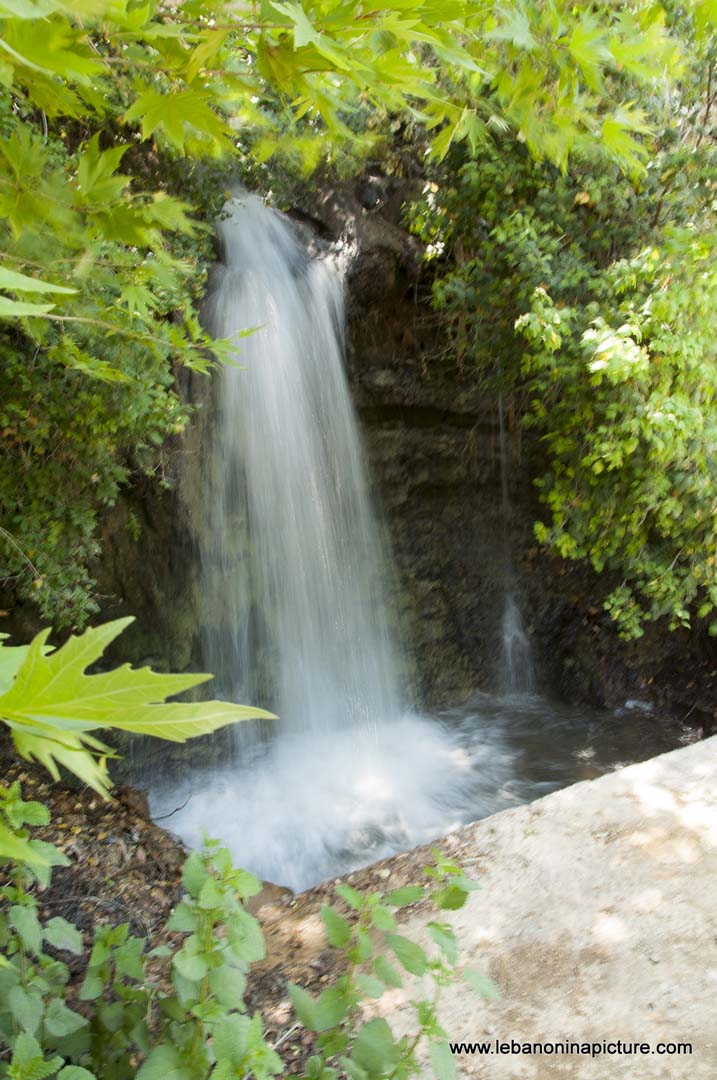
pixel 18 309
pixel 17 849
pixel 53 705
pixel 10 279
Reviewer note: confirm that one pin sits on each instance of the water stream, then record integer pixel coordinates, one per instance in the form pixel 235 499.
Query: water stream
pixel 517 672
pixel 293 578
pixel 293 569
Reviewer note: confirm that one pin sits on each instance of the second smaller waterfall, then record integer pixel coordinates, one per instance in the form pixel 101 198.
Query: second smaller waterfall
pixel 517 673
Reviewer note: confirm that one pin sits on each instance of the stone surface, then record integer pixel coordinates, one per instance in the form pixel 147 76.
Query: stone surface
pixel 596 918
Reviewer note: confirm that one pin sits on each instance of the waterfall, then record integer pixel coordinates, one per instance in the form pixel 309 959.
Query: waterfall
pixel 293 585
pixel 292 567
pixel 516 674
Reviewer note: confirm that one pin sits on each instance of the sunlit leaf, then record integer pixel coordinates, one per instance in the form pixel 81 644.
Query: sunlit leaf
pixel 53 705
pixel 10 279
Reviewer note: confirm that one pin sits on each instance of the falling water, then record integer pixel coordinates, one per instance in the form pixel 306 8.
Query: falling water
pixel 516 673
pixel 293 572
pixel 293 584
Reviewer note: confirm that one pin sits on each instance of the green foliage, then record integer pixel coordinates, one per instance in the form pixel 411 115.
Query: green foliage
pixel 87 381
pixel 230 69
pixel 178 1011
pixel 629 385
pixel 51 706
pixel 588 298
pixel 120 126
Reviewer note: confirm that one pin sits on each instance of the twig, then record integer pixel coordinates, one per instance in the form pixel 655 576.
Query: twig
pixel 286 1035
pixel 84 899
pixel 708 107
pixel 11 540
pixel 163 817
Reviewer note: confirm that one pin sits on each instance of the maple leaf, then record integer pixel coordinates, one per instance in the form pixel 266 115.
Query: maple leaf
pixel 52 705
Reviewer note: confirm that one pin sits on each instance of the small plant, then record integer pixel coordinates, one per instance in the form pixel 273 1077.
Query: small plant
pixel 377 955
pixel 35 1022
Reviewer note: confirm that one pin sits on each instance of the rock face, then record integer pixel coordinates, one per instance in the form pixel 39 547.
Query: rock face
pixel 431 437
pixel 433 446
pixel 431 432
pixel 595 918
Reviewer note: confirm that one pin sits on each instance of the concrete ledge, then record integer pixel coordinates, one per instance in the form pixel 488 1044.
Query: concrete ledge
pixel 597 918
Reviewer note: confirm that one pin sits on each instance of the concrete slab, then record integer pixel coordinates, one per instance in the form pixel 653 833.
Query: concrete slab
pixel 597 918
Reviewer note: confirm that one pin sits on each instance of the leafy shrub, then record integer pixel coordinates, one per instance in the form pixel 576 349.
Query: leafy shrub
pixel 626 398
